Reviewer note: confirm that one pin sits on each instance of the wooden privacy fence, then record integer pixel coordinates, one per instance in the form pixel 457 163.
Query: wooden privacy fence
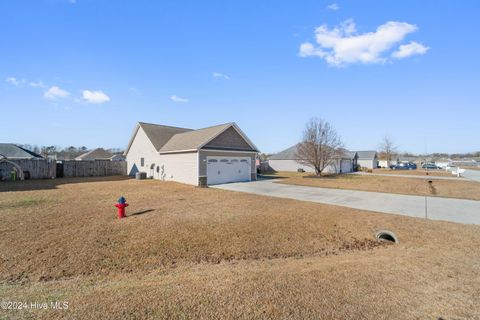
pixel 50 169
pixel 95 168
pixel 32 168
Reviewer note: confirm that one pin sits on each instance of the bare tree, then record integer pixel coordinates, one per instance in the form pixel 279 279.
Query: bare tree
pixel 320 147
pixel 388 149
pixel 48 150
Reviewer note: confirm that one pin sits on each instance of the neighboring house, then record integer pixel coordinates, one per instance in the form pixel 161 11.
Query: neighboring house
pixel 367 159
pixel 12 151
pixel 287 160
pixel 396 159
pixel 463 163
pixel 66 155
pixel 99 154
pixel 213 155
pixel 442 162
pixel 13 158
pixel 386 163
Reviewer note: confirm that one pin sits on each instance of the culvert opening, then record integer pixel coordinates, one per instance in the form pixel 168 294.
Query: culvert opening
pixel 386 235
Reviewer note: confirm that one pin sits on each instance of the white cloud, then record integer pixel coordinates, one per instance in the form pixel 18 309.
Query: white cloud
pixel 343 45
pixel 333 7
pixel 16 82
pixel 407 50
pixel 95 96
pixel 38 84
pixel 55 93
pixel 178 99
pixel 219 75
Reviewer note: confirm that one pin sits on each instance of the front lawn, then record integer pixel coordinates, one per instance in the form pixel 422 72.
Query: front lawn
pixel 463 189
pixel 186 252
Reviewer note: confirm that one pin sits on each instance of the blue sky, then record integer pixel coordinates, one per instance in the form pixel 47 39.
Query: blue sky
pixel 84 72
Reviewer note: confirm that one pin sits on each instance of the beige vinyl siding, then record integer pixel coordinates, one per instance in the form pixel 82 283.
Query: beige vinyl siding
pixel 141 147
pixel 368 163
pixel 293 166
pixel 289 166
pixel 180 167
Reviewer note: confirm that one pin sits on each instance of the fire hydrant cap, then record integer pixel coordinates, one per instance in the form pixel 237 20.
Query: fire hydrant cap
pixel 122 200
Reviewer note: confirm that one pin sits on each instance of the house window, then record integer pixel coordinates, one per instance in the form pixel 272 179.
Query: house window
pixel 142 162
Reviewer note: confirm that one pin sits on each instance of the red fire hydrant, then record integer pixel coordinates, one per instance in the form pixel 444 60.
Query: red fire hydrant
pixel 121 205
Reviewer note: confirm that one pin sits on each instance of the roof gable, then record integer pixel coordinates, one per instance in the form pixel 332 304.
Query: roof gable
pixel 229 139
pixel 157 134
pixel 12 151
pixel 287 154
pixel 291 154
pixel 167 139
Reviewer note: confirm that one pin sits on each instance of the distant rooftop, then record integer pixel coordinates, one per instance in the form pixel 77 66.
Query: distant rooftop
pixel 96 154
pixel 370 154
pixel 12 151
pixel 291 154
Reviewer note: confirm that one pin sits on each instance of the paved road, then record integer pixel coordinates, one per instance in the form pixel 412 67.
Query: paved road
pixel 455 210
pixel 472 175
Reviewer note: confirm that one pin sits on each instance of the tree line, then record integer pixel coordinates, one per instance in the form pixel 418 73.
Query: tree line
pixel 70 152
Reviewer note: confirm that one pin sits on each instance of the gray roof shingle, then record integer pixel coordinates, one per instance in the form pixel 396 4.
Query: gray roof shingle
pixel 287 154
pixel 366 154
pixel 171 139
pixel 193 139
pixel 96 154
pixel 12 151
pixel 159 135
pixel 291 154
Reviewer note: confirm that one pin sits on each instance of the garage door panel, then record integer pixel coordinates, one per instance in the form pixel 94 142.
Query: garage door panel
pixel 346 166
pixel 228 169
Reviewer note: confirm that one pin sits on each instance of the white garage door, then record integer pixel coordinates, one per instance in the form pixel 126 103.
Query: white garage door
pixel 346 166
pixel 228 169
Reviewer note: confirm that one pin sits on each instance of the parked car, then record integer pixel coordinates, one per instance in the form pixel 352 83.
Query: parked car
pixel 412 166
pixel 430 166
pixel 404 166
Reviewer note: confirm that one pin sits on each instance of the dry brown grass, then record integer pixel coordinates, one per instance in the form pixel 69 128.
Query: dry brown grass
pixel 417 172
pixel 207 253
pixel 439 188
pixel 471 168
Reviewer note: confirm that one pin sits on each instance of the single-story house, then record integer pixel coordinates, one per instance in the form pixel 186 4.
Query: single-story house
pixel 463 163
pixel 213 155
pixel 12 151
pixel 396 159
pixel 99 154
pixel 367 159
pixel 17 159
pixel 288 160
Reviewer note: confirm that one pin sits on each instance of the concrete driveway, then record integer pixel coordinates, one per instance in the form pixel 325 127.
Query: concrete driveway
pixel 472 175
pixel 455 210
